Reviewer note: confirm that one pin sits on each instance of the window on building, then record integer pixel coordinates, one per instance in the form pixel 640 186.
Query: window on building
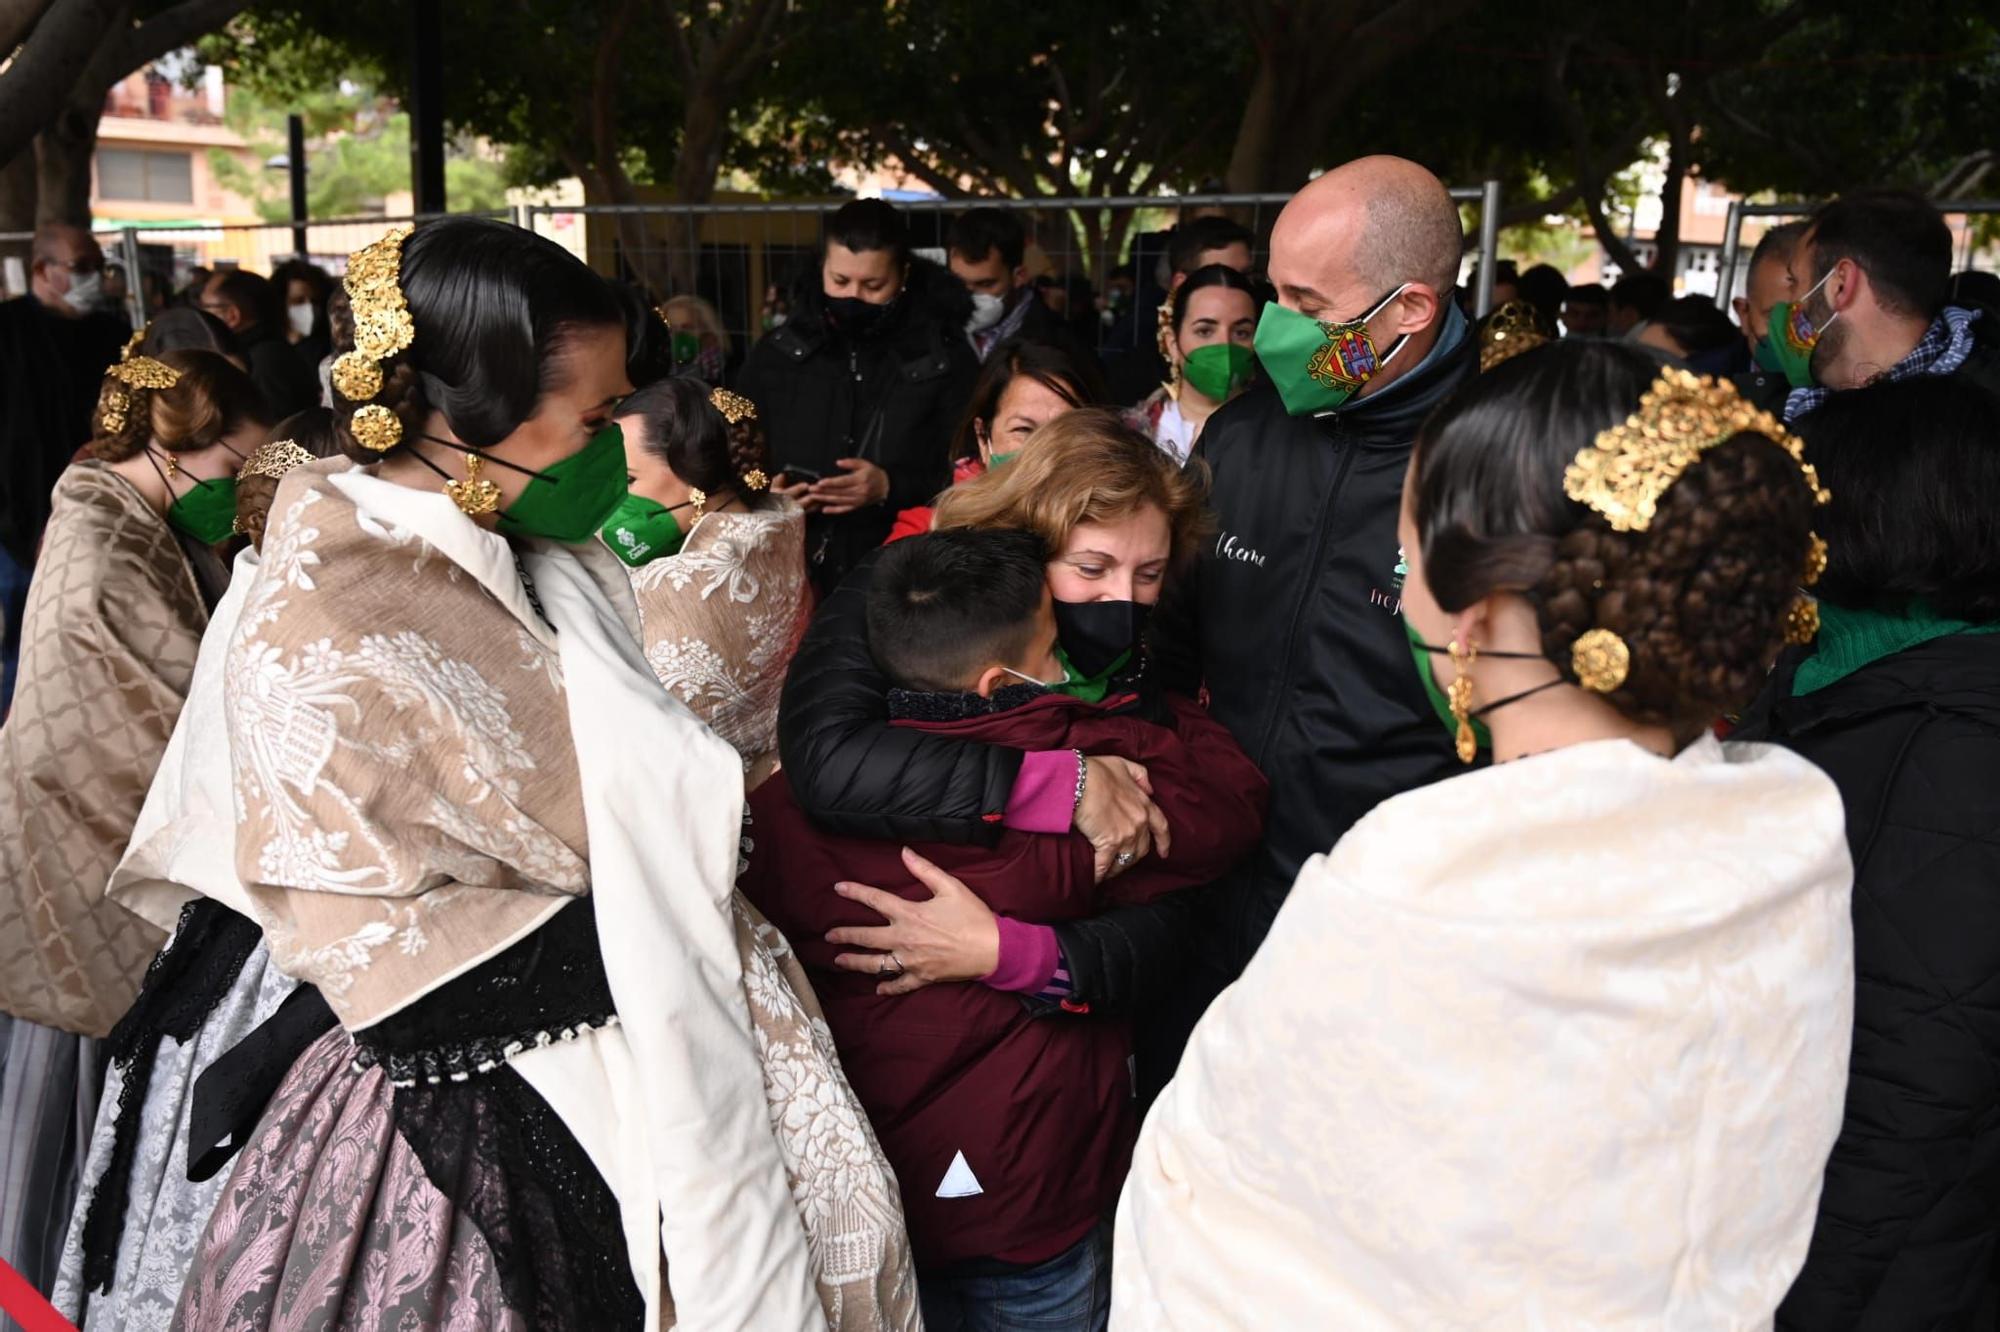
pixel 131 173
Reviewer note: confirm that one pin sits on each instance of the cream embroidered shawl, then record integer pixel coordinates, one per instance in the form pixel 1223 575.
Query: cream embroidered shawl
pixel 1557 1044
pixel 112 627
pixel 721 619
pixel 411 796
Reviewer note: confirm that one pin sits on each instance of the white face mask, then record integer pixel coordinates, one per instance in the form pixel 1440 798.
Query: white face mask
pixel 986 312
pixel 300 315
pixel 86 292
pixel 1041 684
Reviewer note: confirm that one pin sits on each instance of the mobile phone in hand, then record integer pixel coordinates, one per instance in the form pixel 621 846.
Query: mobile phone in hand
pixel 798 473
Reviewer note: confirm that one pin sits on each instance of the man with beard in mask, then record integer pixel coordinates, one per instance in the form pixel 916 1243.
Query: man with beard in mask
pixel 861 388
pixel 1873 270
pixel 988 248
pixel 55 344
pixel 1292 618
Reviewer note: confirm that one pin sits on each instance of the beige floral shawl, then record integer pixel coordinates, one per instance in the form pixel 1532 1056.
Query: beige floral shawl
pixel 405 782
pixel 411 802
pixel 721 619
pixel 108 646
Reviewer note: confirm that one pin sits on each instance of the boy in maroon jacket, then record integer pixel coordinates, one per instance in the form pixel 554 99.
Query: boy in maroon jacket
pixel 1009 1121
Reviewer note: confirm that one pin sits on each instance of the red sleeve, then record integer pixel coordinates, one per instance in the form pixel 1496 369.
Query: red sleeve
pixel 1214 799
pixel 909 523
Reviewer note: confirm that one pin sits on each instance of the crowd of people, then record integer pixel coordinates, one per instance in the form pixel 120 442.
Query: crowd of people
pixel 1344 812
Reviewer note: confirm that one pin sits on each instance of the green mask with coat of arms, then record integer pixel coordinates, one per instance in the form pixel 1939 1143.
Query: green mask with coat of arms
pixel 1318 366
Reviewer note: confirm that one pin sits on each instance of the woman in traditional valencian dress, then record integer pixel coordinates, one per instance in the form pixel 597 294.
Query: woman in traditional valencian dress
pixel 575 1083
pixel 121 595
pixel 147 1188
pixel 1561 1042
pixel 718 562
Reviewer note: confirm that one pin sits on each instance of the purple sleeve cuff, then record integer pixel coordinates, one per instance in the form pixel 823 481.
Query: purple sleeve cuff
pixel 1028 957
pixel 1044 796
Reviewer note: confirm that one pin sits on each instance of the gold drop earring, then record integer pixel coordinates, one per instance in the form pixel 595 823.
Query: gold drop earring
pixel 1459 695
pixel 475 495
pixel 699 498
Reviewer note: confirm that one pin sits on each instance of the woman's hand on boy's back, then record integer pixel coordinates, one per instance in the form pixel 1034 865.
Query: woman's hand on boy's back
pixel 949 936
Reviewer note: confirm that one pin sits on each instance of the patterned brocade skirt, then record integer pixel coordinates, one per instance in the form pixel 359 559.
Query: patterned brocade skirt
pixel 359 1205
pixel 329 1220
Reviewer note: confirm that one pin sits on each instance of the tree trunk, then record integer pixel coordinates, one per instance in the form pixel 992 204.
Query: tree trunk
pixel 39 81
pixel 1667 242
pixel 704 126
pixel 17 208
pixel 1249 159
pixel 63 155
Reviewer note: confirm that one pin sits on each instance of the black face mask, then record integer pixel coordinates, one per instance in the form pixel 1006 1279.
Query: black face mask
pixel 855 317
pixel 1095 634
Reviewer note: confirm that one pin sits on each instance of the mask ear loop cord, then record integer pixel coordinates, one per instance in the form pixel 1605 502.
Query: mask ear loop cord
pixel 483 453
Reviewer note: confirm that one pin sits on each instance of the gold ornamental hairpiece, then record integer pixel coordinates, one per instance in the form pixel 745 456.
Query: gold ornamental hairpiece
pixel 1625 471
pixel 735 408
pixel 274 459
pixel 1600 660
pixel 128 376
pixel 1510 330
pixel 382 329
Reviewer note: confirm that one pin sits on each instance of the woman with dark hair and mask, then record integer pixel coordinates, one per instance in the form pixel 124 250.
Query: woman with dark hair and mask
pixel 1567 1033
pixel 121 595
pixel 1899 702
pixel 1021 387
pixel 717 561
pixel 561 1073
pixel 860 388
pixel 1212 323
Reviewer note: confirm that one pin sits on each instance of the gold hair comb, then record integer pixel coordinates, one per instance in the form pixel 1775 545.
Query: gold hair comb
pixel 733 406
pixel 274 459
pixel 1626 470
pixel 1509 331
pixel 131 374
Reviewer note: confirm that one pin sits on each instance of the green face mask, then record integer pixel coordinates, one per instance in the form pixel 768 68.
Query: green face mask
pixel 1787 345
pixel 998 460
pixel 641 531
pixel 686 347
pixel 1219 369
pixel 1318 366
pixel 570 500
pixel 206 513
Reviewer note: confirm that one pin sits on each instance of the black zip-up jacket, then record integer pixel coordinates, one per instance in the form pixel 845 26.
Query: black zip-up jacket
pixel 1293 623
pixel 1293 620
pixel 1909 1219
pixel 893 397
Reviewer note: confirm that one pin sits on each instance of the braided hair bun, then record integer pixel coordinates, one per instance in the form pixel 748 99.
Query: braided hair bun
pixel 209 400
pixel 683 427
pixel 1700 596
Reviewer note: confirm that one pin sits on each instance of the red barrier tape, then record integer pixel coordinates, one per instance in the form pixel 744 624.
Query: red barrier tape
pixel 25 1305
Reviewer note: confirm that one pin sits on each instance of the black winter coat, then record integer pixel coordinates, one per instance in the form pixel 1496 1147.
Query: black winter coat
pixel 893 398
pixel 1293 621
pixel 1908 1219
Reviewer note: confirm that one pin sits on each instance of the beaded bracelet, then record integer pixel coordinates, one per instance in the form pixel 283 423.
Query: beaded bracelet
pixel 1082 777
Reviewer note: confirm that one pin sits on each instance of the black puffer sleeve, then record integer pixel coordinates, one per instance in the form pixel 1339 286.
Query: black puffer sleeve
pixel 857 775
pixel 1123 959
